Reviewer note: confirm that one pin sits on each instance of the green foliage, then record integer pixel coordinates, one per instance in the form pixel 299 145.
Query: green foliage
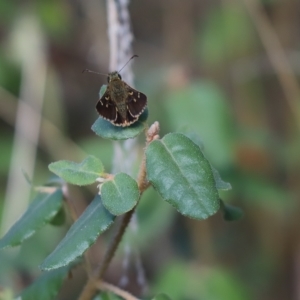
pixel 182 175
pixel 9 76
pixel 221 38
pixel 220 284
pixel 230 212
pixel 82 234
pixel 106 296
pixel 161 297
pixel 215 78
pixel 120 194
pixel 153 215
pixel 46 287
pixel 54 18
pixel 83 173
pixel 220 184
pixel 177 169
pixel 40 212
pixel 102 90
pixel 175 166
pixel 182 281
pixel 60 218
pixel 203 107
pixel 107 130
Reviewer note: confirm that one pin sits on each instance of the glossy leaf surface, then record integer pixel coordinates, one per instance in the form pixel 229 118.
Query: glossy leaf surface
pixel 82 234
pixel 220 184
pixel 39 213
pixel 107 130
pixel 182 175
pixel 120 194
pixel 46 287
pixel 83 173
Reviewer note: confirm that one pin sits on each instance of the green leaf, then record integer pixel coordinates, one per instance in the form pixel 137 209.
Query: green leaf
pixel 46 287
pixel 82 234
pixel 55 181
pixel 192 135
pixel 83 173
pixel 182 281
pixel 120 194
pixel 219 29
pixel 208 111
pixel 220 184
pixel 40 212
pixel 161 297
pixel 54 20
pixel 230 212
pixel 102 90
pixel 60 218
pixel 182 175
pixel 107 130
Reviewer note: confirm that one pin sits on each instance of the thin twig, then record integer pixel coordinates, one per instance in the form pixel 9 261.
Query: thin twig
pixel 277 56
pixel 116 241
pixel 104 286
pixel 69 202
pixel 151 134
pixel 90 288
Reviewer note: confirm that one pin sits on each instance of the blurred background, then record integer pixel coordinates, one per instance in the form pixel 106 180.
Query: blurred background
pixel 227 71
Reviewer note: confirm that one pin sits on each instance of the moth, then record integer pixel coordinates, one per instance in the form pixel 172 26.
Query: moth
pixel 121 105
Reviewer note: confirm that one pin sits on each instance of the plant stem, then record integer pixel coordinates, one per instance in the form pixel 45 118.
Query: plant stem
pixel 104 286
pixel 91 287
pixel 114 245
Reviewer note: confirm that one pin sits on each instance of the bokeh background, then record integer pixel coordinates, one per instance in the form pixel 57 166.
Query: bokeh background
pixel 227 71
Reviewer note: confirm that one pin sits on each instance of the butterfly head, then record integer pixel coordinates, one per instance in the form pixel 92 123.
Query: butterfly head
pixel 113 76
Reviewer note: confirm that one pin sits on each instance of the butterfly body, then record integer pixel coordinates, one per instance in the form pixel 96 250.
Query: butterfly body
pixel 121 104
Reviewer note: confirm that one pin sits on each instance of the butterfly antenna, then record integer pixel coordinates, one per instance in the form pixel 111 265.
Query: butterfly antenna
pixel 132 57
pixel 90 71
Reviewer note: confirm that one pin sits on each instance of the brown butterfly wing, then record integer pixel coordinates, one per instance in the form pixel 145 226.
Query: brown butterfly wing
pixel 106 108
pixel 136 102
pixel 121 122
